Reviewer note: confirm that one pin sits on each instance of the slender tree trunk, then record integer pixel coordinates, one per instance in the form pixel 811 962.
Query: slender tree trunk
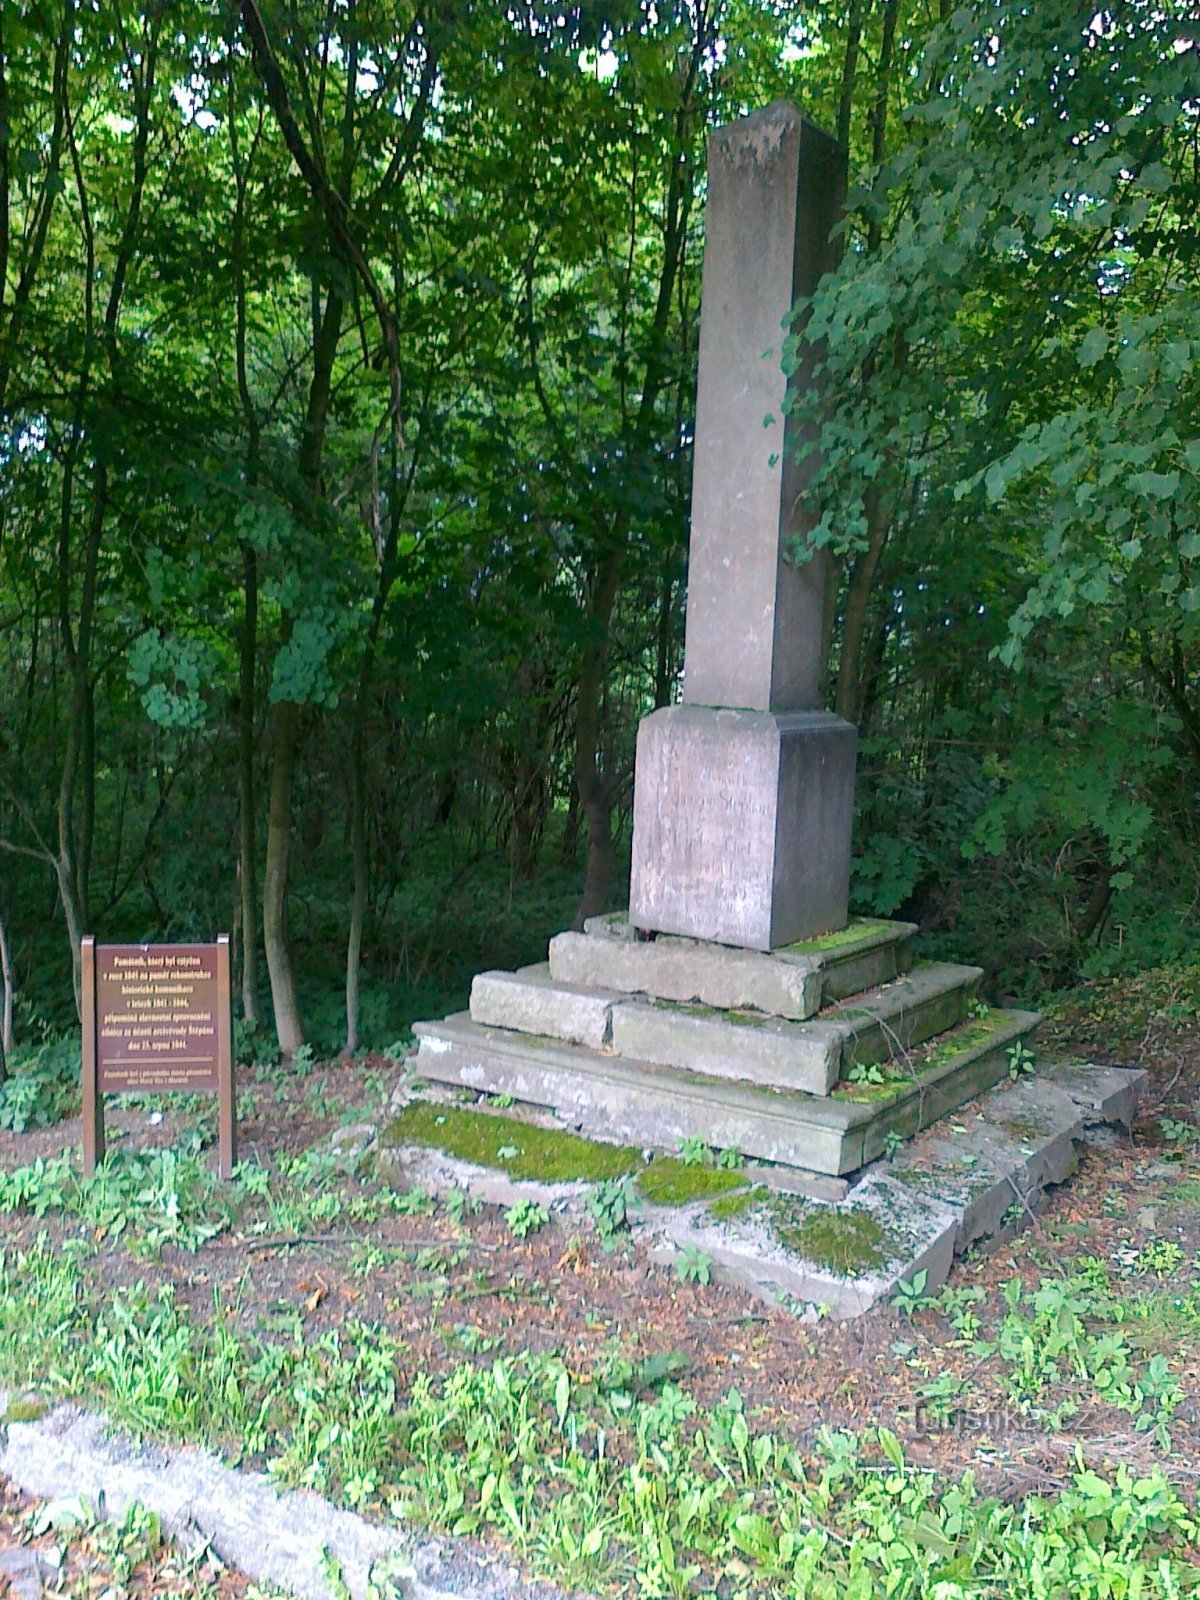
pixel 248 643
pixel 247 801
pixel 664 658
pixel 594 800
pixel 284 737
pixel 849 71
pixel 848 703
pixel 6 1000
pixel 358 818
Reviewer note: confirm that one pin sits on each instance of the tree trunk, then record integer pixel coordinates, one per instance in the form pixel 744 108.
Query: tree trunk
pixel 284 731
pixel 594 800
pixel 858 599
pixel 664 655
pixel 247 806
pixel 358 821
pixel 6 1001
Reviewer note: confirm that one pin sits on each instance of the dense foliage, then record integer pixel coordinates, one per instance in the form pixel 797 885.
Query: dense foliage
pixel 346 372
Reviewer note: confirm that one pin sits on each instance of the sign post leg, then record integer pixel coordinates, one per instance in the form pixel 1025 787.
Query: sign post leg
pixel 226 1102
pixel 93 1102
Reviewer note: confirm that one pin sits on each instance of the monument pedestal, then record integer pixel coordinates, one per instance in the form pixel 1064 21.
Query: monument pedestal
pixel 741 825
pixel 735 1005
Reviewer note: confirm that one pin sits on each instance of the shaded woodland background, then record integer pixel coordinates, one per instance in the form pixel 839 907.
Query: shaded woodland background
pixel 347 363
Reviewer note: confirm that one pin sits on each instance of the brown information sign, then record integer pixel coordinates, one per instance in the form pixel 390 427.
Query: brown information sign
pixel 156 1019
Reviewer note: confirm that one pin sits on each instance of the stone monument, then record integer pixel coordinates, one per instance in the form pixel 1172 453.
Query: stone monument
pixel 744 794
pixel 734 1003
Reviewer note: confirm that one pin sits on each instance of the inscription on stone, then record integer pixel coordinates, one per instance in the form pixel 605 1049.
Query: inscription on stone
pixel 704 868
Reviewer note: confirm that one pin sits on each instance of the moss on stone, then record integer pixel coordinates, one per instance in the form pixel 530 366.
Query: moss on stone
pixel 732 1206
pixel 902 1072
pixel 545 1155
pixel 848 1243
pixel 854 932
pixel 667 1181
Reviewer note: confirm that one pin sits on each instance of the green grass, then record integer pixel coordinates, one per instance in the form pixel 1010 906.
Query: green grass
pixel 523 1150
pixel 595 1489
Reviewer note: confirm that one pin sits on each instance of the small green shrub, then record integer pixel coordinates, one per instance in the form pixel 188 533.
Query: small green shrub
pixel 42 1086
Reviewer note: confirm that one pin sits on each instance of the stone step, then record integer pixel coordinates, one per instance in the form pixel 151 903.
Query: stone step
pixel 976 1178
pixel 530 1001
pixel 643 1103
pixel 794 982
pixel 808 1056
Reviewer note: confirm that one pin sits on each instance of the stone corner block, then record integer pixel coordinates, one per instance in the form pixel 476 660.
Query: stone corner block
pixel 742 823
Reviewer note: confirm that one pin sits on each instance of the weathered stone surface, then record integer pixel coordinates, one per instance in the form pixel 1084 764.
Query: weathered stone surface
pixel 885 1022
pixel 741 825
pixel 794 981
pixel 689 972
pixel 995 1162
pixel 883 954
pixel 636 1102
pixel 611 925
pixel 747 1252
pixel 949 1086
pixel 642 1103
pixel 532 1001
pixel 1107 1095
pixel 976 1176
pixel 286 1539
pixel 805 1056
pixel 763 1050
pixel 755 618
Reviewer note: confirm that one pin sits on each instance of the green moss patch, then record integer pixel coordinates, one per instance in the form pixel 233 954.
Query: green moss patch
pixel 545 1155
pixel 668 1181
pixel 848 1243
pixel 732 1206
pixel 853 933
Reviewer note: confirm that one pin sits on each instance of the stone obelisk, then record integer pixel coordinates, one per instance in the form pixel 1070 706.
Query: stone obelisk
pixel 744 794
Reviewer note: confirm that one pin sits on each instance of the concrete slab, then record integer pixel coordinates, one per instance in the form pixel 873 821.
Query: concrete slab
pixel 531 1001
pixel 758 1249
pixel 747 1047
pixel 688 971
pixel 804 1056
pixel 655 1106
pixel 976 1176
pixel 793 982
pixel 1106 1094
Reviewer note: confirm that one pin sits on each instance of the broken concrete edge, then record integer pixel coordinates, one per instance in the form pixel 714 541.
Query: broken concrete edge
pixel 929 1218
pixel 292 1539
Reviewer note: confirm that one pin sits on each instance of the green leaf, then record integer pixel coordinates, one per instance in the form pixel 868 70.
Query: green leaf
pixel 892 1448
pixel 1155 485
pixel 1093 348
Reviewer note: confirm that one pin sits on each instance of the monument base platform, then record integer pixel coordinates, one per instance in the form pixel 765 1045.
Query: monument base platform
pixel 741 825
pixel 816 1057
